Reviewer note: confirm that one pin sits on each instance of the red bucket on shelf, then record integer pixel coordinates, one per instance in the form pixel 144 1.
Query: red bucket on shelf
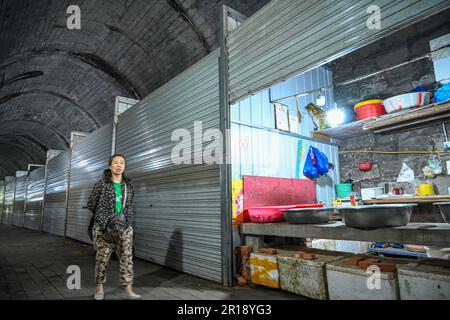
pixel 370 109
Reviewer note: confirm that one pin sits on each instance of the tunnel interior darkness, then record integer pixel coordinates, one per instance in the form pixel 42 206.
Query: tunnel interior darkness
pixel 54 80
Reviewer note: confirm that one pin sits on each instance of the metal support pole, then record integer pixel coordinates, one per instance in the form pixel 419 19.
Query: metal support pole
pixel 225 167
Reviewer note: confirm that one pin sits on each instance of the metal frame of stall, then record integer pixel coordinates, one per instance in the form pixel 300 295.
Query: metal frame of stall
pixel 20 174
pixel 50 155
pixel 2 195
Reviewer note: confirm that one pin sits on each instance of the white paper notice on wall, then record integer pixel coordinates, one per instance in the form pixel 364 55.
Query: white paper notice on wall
pixel 293 124
pixel 281 116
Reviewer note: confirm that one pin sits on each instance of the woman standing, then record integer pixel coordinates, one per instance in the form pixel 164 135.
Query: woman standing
pixel 111 202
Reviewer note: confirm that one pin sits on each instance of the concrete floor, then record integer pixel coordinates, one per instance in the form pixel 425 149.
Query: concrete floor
pixel 33 266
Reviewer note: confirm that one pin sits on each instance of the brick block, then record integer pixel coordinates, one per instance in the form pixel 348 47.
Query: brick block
pixel 267 251
pixel 364 264
pixel 354 261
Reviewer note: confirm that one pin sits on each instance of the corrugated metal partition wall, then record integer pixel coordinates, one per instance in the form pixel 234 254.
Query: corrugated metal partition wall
pixel 20 197
pixel 288 36
pixel 8 200
pixel 258 110
pixel 88 160
pixel 254 135
pixel 307 87
pixel 2 196
pixel 178 207
pixel 35 199
pixel 251 148
pixel 55 201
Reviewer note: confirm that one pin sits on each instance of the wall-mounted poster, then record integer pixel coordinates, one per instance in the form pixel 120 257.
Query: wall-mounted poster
pixel 281 117
pixel 294 124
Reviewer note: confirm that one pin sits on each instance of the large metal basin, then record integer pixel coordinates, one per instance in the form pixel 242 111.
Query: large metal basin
pixel 445 210
pixel 308 215
pixel 377 216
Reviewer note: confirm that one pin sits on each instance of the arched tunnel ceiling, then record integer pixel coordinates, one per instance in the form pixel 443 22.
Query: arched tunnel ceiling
pixel 54 80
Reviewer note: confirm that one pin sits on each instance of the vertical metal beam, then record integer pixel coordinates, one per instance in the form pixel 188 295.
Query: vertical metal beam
pixel 73 135
pixel 69 169
pixel 225 167
pixel 24 203
pixel 50 155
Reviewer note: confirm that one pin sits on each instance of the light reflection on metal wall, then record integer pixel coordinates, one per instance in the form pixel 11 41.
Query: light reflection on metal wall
pixel 35 199
pixel 19 200
pixel 54 219
pixel 178 208
pixel 2 196
pixel 88 161
pixel 8 200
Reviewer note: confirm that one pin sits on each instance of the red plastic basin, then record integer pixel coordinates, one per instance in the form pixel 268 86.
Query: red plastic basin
pixel 272 213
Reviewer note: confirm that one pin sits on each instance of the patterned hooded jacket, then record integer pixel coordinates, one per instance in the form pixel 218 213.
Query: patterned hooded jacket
pixel 102 201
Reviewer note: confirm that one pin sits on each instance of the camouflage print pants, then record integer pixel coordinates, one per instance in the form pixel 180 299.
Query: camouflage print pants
pixel 124 252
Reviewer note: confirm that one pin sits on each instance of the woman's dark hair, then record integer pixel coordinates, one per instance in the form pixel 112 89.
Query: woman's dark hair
pixel 111 159
pixel 107 172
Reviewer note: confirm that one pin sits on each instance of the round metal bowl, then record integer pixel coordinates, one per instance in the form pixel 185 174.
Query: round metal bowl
pixel 445 210
pixel 377 216
pixel 308 215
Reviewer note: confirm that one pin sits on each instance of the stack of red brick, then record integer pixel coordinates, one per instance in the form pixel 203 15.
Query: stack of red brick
pixel 364 262
pixel 243 265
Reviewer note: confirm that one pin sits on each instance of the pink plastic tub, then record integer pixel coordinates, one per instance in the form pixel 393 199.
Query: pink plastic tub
pixel 406 101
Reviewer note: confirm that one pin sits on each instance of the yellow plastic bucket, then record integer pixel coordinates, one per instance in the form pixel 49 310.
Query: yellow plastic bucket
pixel 424 189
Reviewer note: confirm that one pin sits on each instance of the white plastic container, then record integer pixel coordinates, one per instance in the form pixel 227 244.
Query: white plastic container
pixel 307 277
pixel 426 280
pixel 352 283
pixel 370 193
pixel 406 101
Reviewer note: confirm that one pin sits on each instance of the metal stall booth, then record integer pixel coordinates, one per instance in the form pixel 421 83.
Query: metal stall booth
pixel 287 38
pixel 20 195
pixel 55 200
pixel 2 196
pixel 34 199
pixel 178 206
pixel 88 160
pixel 8 199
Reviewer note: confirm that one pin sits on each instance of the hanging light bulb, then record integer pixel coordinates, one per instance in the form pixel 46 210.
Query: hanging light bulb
pixel 321 99
pixel 335 117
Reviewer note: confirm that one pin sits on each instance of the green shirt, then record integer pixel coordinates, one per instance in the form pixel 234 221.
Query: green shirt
pixel 118 188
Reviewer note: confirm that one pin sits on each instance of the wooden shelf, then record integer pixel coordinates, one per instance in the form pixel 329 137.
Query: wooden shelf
pixel 419 200
pixel 410 117
pixel 402 120
pixel 345 131
pixel 432 234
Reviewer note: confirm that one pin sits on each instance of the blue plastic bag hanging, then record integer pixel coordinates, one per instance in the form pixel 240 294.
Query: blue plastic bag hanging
pixel 442 94
pixel 321 162
pixel 310 170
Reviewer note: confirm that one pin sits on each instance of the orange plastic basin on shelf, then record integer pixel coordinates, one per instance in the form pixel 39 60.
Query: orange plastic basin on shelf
pixel 369 109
